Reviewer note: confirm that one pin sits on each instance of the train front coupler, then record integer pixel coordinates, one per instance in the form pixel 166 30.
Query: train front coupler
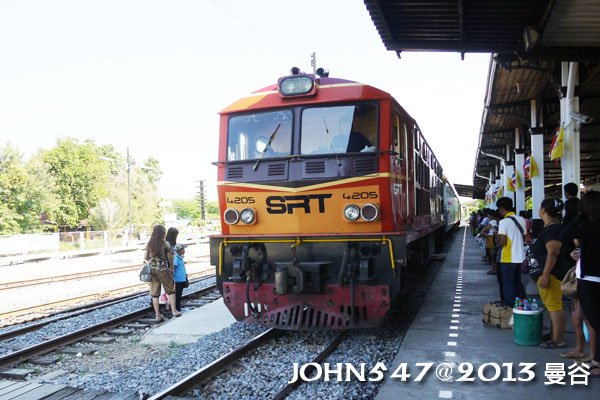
pixel 244 265
pixel 251 270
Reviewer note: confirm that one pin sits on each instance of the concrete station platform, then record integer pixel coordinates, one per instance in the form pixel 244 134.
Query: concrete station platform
pixel 448 329
pixel 192 325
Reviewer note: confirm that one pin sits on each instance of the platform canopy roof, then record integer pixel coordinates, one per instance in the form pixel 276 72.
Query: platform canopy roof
pixel 508 106
pixel 528 40
pixel 465 190
pixel 565 30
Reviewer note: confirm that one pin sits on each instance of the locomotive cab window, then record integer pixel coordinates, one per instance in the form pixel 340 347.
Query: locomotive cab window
pixel 261 135
pixel 339 129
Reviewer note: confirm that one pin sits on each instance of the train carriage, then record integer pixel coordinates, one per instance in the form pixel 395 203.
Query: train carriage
pixel 327 191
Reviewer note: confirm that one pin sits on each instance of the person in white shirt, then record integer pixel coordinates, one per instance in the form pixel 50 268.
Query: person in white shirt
pixel 511 230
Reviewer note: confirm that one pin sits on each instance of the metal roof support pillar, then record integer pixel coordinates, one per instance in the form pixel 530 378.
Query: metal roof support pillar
pixel 491 185
pixel 502 178
pixel 499 170
pixel 496 189
pixel 487 187
pixel 509 168
pixel 519 161
pixel 570 162
pixel 537 153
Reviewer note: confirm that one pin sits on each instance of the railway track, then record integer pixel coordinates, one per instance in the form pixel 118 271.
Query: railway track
pixel 33 313
pixel 209 371
pixel 85 274
pixel 289 387
pixel 76 311
pixel 73 337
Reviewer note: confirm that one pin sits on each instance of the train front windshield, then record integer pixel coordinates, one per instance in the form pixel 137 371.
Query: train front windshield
pixel 324 130
pixel 339 129
pixel 260 135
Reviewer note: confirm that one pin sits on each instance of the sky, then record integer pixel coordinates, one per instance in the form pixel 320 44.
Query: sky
pixel 152 75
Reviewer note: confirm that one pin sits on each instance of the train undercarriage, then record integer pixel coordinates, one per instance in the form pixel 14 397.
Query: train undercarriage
pixel 317 282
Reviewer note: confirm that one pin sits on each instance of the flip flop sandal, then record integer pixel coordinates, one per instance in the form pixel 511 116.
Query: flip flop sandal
pixel 585 359
pixel 553 345
pixel 547 337
pixel 572 354
pixel 594 371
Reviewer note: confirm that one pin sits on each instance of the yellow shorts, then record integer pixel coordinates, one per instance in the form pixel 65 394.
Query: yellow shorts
pixel 162 277
pixel 552 295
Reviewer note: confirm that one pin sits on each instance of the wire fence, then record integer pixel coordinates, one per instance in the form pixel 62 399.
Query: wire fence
pixel 87 240
pixel 27 244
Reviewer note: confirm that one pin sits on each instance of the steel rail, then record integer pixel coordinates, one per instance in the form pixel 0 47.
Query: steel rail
pixel 287 389
pixel 217 366
pixel 32 309
pixel 73 337
pixel 76 311
pixel 85 274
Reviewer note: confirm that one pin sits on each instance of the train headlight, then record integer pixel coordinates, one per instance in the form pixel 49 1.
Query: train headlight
pixel 296 85
pixel 248 216
pixel 369 212
pixel 351 212
pixel 231 216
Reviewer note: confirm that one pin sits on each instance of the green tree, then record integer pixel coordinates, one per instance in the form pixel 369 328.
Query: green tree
pixel 187 209
pixel 190 209
pixel 26 197
pixel 212 209
pixel 45 204
pixel 472 205
pixel 12 195
pixel 108 215
pixel 82 178
pixel 145 202
pixel 74 181
pixel 151 169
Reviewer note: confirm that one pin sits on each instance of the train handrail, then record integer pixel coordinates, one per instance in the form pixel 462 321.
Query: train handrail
pixel 298 241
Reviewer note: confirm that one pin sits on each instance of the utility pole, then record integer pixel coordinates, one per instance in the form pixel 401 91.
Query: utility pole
pixel 129 193
pixel 202 199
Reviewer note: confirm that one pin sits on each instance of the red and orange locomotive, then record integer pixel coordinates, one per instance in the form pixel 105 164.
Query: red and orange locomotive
pixel 327 191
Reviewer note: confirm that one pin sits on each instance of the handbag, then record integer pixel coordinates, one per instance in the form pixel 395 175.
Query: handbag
pixel 525 263
pixel 145 275
pixel 569 283
pixel 534 268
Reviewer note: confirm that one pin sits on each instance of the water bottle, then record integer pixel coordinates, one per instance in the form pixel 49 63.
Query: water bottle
pixel 526 306
pixel 534 305
pixel 517 302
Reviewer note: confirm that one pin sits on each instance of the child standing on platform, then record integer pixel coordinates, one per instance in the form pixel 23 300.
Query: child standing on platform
pixel 179 275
